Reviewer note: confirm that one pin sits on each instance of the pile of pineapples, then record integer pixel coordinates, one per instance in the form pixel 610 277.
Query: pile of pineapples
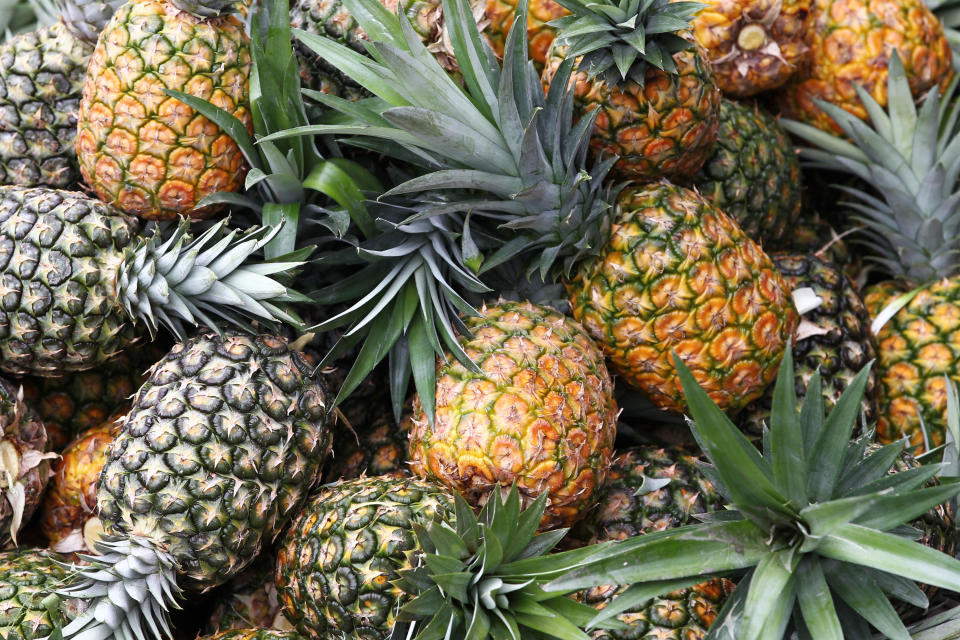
pixel 383 319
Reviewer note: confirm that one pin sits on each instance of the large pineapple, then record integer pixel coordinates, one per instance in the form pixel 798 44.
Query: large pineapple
pixel 910 213
pixel 338 560
pixel 41 78
pixel 216 456
pixel 27 579
pixel 540 412
pixel 851 42
pixel 77 281
pixel 753 45
pixel 24 462
pixel 74 402
pixel 677 274
pixel 753 174
pixel 68 515
pixel 649 269
pixel 657 106
pixel 142 150
pixel 833 338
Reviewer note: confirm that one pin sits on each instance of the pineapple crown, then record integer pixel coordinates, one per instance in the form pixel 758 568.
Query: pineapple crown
pixel 912 160
pixel 86 19
pixel 482 577
pixel 129 589
pixel 815 527
pixel 175 280
pixel 621 39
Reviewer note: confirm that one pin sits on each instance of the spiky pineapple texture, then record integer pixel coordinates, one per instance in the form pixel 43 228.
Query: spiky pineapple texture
pixel 540 413
pixel 27 579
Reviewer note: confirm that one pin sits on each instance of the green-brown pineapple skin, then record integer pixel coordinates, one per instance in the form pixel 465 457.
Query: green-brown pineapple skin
pixel 834 338
pixel 219 451
pixel 677 274
pixel 540 413
pixel 27 577
pixel 337 561
pixel 41 80
pixel 753 174
pixel 59 255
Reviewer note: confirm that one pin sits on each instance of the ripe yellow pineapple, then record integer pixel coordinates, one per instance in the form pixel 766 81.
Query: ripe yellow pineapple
pixel 851 42
pixel 143 151
pixel 659 113
pixel 679 275
pixel 541 413
pixel 753 45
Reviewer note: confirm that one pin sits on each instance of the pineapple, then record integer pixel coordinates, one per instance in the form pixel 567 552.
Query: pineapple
pixel 907 157
pixel 375 449
pixel 833 338
pixel 653 489
pixel 217 454
pixel 851 42
pixel 41 79
pixel 27 578
pixel 648 269
pixel 658 110
pixel 68 514
pixel 77 280
pixel 541 413
pixel 812 234
pixel 677 274
pixel 753 174
pixel 754 45
pixel 250 600
pixel 648 489
pixel 337 562
pixel 807 523
pixel 72 403
pixel 141 150
pixel 540 34
pixel 24 463
pixel 255 633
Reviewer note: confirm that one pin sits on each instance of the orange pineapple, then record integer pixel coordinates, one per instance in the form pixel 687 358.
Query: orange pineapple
pixel 501 14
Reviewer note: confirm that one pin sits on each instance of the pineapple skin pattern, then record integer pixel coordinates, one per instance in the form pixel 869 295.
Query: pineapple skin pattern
pixel 540 413
pixel 679 274
pixel 41 79
pixel 147 153
pixel 337 560
pixel 26 578
pixel 218 452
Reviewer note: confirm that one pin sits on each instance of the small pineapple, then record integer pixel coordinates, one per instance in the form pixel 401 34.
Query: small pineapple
pixel 72 403
pixel 141 150
pixel 338 560
pixel 27 578
pixel 217 454
pixel 754 45
pixel 851 42
pixel 77 280
pixel 657 111
pixel 68 515
pixel 24 463
pixel 833 338
pixel 677 274
pixel 753 174
pixel 540 413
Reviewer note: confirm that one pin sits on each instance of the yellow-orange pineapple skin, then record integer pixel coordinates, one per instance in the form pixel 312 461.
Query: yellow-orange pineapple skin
pixel 540 413
pixel 143 151
pixel 71 499
pixel 665 128
pixel 753 45
pixel 680 275
pixel 500 15
pixel 850 44
pixel 916 349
